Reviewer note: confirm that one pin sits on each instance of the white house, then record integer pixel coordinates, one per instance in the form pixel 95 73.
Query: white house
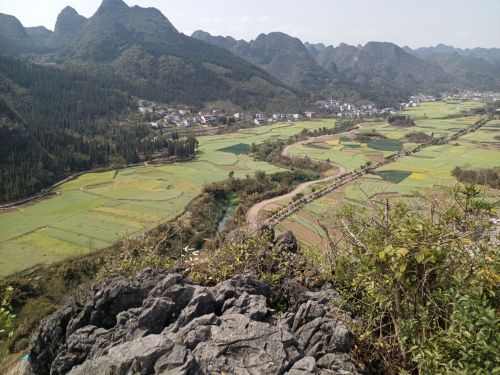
pixel 280 117
pixel 208 119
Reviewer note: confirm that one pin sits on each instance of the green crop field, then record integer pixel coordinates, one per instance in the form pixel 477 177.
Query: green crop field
pixel 95 210
pixel 348 153
pixel 408 178
pixel 441 109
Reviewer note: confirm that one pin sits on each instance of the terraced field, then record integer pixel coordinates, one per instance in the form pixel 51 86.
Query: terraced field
pixel 95 210
pixel 409 178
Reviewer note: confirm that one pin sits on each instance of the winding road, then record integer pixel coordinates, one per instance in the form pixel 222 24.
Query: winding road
pixel 252 215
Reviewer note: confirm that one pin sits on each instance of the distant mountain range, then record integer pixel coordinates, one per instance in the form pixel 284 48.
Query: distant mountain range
pixel 377 69
pixel 284 57
pixel 149 58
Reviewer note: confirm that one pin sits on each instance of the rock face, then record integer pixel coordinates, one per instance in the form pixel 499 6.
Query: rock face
pixel 157 323
pixel 68 26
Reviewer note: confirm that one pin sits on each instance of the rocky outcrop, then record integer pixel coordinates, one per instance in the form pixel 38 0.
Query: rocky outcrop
pixel 157 323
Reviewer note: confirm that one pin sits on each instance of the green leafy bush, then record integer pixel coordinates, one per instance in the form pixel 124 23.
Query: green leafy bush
pixel 423 284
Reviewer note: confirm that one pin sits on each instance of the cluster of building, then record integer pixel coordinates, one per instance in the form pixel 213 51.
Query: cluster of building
pixel 261 119
pixel 162 116
pixel 342 109
pixel 415 101
pixel 470 95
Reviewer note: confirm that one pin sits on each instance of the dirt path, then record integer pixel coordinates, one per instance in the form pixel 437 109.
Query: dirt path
pixel 343 180
pixel 252 215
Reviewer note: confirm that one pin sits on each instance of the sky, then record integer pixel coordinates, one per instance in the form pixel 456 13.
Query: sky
pixel 416 23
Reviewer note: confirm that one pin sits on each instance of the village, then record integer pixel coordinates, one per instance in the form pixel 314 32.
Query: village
pixel 164 116
pixel 470 95
pixel 167 116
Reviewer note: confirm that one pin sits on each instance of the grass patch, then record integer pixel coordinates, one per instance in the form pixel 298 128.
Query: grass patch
pixel 394 176
pixel 385 145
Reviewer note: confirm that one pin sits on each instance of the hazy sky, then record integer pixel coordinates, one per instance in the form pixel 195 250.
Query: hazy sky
pixel 417 23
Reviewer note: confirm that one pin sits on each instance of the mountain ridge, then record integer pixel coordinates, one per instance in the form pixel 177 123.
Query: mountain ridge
pixel 13 37
pixel 143 47
pixel 284 57
pixel 396 72
pixel 68 26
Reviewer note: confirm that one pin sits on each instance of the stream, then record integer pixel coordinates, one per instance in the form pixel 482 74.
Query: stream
pixel 229 213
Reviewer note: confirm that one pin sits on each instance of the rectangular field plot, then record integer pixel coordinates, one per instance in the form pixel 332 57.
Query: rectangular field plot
pixel 91 239
pixel 34 248
pixel 391 145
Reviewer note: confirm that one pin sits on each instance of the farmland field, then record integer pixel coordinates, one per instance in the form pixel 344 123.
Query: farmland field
pixel 96 209
pixel 408 178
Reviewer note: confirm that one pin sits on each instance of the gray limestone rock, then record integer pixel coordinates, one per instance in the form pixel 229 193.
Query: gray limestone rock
pixel 158 323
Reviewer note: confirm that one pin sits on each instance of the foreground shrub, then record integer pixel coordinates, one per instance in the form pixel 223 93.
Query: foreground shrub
pixel 423 284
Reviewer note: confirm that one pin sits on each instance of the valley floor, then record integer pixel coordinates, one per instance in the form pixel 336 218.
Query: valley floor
pixel 97 209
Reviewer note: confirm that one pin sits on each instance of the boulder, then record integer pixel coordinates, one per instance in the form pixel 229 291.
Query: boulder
pixel 158 323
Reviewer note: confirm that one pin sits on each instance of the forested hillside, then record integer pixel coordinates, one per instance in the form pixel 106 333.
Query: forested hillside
pixel 13 37
pixel 281 55
pixel 55 122
pixel 479 67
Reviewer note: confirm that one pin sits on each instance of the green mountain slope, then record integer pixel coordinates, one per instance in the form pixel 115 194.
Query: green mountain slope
pixel 384 66
pixel 475 68
pixel 144 49
pixel 52 123
pixel 39 34
pixel 68 27
pixel 14 39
